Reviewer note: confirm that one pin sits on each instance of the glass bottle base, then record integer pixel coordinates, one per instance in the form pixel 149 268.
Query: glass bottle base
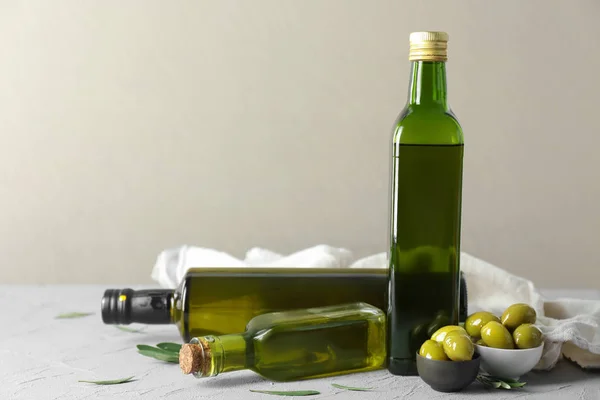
pixel 402 366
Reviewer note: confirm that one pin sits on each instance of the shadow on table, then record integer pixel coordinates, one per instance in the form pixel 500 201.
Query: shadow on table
pixel 239 379
pixel 564 375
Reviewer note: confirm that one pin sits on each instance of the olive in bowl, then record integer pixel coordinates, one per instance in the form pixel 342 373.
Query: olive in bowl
pixel 517 315
pixel 527 336
pixel 476 321
pixel 495 335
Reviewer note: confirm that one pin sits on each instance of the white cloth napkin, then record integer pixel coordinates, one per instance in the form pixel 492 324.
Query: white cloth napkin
pixel 570 326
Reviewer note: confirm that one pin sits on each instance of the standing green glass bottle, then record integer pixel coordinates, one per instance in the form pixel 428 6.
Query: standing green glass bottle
pixel 426 188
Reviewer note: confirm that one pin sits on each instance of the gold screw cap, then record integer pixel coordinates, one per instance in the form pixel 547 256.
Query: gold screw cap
pixel 428 46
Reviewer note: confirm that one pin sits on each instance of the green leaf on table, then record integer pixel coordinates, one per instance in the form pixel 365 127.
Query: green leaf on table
pixel 128 329
pixel 158 353
pixel 505 385
pixel 146 347
pixel 513 383
pixel 174 347
pixel 485 380
pixel 498 382
pixel 288 392
pixel 518 384
pixel 355 389
pixel 110 382
pixel 73 315
pixel 492 384
pixel 160 356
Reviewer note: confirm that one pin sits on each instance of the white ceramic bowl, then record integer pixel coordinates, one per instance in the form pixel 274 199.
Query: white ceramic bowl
pixel 509 363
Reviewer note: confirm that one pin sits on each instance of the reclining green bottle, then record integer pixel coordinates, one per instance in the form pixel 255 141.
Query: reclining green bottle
pixel 295 344
pixel 219 301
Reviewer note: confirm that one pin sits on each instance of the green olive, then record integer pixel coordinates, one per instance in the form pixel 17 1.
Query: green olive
pixel 432 350
pixel 440 334
pixel 458 346
pixel 476 321
pixel 480 342
pixel 527 336
pixel 494 334
pixel 518 314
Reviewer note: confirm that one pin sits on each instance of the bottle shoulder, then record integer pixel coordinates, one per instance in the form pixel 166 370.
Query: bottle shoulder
pixel 420 125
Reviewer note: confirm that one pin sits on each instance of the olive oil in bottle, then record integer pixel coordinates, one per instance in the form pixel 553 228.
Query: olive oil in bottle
pixel 295 345
pixel 426 187
pixel 218 301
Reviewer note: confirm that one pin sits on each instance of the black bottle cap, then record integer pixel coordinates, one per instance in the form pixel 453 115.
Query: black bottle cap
pixel 124 306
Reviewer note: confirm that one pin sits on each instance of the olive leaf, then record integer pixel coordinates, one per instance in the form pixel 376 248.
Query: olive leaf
pixel 505 385
pixel 494 384
pixel 518 384
pixel 288 393
pixel 110 382
pixel 128 329
pixel 498 382
pixel 160 356
pixel 158 353
pixel 73 315
pixel 355 389
pixel 173 347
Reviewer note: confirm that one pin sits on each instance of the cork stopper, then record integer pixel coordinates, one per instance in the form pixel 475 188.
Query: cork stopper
pixel 195 358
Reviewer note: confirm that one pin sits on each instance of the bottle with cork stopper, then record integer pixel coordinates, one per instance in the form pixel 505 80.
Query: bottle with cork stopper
pixel 295 345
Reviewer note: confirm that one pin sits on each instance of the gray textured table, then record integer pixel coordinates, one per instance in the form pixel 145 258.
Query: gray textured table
pixel 43 358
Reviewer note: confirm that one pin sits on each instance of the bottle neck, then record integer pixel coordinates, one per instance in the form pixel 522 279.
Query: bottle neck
pixel 428 85
pixel 219 354
pixel 124 306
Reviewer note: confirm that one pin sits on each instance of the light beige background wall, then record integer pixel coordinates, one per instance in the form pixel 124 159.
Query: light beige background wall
pixel 132 126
